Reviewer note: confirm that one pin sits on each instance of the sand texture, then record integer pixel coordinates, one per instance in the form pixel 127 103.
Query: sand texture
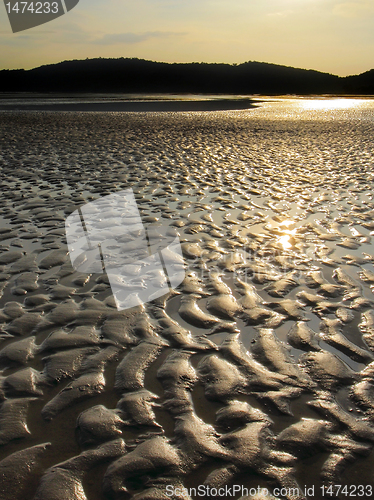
pixel 257 370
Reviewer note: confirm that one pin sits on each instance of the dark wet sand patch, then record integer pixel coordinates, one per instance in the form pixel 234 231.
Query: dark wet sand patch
pixel 133 106
pixel 247 214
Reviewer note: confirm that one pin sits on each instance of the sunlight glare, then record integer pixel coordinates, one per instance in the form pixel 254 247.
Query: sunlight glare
pixel 287 223
pixel 285 241
pixel 330 104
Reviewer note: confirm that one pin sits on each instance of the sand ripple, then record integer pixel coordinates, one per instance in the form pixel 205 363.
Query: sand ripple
pixel 257 368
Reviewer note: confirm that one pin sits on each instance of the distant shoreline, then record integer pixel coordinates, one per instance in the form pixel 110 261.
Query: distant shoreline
pixel 86 102
pixel 124 105
pixel 168 96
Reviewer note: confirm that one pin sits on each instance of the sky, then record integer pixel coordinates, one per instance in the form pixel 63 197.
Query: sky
pixel 334 36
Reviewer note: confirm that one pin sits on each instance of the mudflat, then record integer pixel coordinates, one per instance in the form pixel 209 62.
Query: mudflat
pixel 257 370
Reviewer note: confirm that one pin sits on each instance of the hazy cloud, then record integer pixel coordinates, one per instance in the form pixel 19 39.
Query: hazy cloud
pixel 359 8
pixel 131 38
pixel 329 35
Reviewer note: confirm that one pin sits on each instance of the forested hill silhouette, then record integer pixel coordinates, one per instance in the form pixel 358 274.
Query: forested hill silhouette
pixel 138 75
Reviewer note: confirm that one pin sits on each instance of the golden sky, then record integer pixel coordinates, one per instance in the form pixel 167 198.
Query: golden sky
pixel 335 36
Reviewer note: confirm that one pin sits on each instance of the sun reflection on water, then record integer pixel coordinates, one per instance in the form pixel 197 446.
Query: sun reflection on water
pixel 285 239
pixel 330 104
pixel 287 223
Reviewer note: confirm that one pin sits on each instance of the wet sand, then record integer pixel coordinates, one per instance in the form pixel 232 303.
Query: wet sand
pixel 258 370
pixel 125 104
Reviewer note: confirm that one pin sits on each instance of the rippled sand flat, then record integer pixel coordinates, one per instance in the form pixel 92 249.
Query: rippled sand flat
pixel 257 370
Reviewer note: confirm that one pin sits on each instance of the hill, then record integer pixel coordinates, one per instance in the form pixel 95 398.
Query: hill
pixel 138 75
pixel 360 84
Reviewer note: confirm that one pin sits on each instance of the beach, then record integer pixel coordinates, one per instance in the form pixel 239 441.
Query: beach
pixel 258 369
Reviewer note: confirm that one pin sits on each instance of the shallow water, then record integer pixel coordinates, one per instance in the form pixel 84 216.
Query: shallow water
pixel 272 325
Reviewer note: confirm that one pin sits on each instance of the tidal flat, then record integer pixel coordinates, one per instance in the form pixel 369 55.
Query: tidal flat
pixel 258 370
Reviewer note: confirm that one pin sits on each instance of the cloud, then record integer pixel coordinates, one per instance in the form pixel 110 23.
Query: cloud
pixel 132 38
pixel 284 13
pixel 12 41
pixel 355 9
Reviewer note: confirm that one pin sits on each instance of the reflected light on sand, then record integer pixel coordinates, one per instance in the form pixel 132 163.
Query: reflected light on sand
pixel 287 223
pixel 285 239
pixel 330 104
